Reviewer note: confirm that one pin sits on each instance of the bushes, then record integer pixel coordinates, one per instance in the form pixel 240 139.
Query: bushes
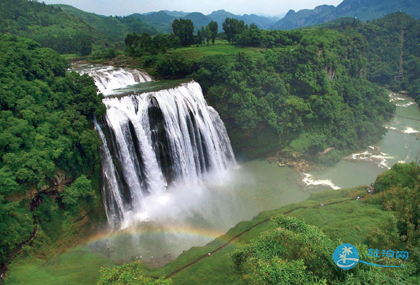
pixel 173 65
pixel 128 274
pixel 400 175
pixel 330 158
pixel 297 253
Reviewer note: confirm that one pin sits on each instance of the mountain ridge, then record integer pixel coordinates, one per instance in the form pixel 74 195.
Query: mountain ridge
pixel 362 9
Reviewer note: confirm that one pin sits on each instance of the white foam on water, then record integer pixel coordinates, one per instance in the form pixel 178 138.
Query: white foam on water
pixel 409 130
pixel 376 156
pixel 406 105
pixel 309 181
pixel 394 97
pixel 392 128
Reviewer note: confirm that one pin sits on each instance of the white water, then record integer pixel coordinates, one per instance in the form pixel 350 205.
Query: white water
pixel 372 155
pixel 310 181
pixel 108 79
pixel 198 145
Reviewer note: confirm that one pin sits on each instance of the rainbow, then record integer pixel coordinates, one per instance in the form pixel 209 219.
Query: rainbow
pixel 189 231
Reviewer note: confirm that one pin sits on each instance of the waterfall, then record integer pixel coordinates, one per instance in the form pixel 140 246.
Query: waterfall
pixel 154 140
pixel 107 79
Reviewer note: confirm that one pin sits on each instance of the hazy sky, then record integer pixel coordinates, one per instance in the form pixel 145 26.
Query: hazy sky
pixel 126 7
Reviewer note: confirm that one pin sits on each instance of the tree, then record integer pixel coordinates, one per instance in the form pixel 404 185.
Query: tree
pixel 233 27
pixel 183 29
pixel 213 27
pixel 228 28
pixel 203 35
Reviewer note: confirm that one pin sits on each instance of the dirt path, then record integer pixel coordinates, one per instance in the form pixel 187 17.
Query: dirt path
pixel 235 238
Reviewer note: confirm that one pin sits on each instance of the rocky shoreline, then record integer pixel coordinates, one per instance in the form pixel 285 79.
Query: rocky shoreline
pixel 293 161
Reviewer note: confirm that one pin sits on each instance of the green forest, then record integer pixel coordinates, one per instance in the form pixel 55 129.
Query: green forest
pixel 46 127
pixel 295 92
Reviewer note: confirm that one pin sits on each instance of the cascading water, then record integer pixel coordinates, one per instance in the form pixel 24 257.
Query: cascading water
pixel 152 141
pixel 107 79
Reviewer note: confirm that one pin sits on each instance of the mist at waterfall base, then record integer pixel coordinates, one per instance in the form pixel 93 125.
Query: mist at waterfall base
pixel 169 174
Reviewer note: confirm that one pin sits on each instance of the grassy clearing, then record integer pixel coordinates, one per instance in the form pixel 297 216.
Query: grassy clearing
pixel 220 48
pixel 78 266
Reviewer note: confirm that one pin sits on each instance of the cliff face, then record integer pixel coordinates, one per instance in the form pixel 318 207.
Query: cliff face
pixel 55 185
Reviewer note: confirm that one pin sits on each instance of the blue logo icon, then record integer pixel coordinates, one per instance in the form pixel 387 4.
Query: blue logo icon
pixel 346 256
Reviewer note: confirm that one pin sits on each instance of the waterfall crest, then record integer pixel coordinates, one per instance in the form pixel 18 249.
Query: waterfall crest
pixel 107 79
pixel 157 139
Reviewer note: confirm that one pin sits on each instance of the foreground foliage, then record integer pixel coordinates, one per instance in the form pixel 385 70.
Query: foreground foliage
pixel 400 195
pixel 130 274
pixel 297 253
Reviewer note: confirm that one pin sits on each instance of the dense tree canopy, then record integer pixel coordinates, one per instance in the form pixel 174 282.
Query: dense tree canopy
pixel 49 26
pixel 311 95
pixel 45 126
pixel 233 27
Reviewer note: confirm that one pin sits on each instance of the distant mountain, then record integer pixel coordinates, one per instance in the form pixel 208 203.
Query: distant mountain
pixel 374 9
pixel 362 9
pixel 177 14
pixel 301 18
pixel 159 20
pixel 261 21
pixel 220 16
pixel 278 17
pixel 115 28
pixel 198 19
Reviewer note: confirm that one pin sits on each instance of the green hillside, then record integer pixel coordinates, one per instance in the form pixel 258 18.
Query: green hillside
pixel 116 28
pixel 177 14
pixel 220 16
pixel 159 20
pixel 385 52
pixel 261 22
pixel 375 9
pixel 49 26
